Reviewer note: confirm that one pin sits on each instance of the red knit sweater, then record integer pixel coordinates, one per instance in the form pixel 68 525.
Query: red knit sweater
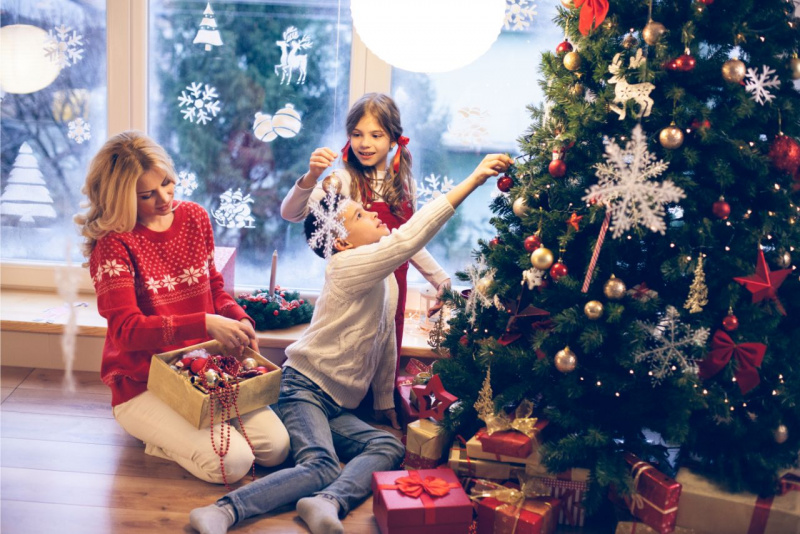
pixel 155 288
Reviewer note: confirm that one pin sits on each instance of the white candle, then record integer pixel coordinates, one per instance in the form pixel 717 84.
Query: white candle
pixel 272 273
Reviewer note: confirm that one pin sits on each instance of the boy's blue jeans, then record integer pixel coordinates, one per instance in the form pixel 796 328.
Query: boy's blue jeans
pixel 319 429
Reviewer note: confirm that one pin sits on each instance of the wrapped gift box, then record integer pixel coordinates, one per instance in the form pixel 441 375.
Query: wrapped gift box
pixel 408 412
pixel 637 527
pixel 225 262
pixel 194 405
pixel 707 509
pixel 568 490
pixel 465 466
pixel 398 512
pixel 533 516
pixel 476 447
pixel 425 445
pixel 656 496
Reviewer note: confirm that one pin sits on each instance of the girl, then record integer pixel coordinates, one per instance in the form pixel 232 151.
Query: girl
pixel 373 131
pixel 152 264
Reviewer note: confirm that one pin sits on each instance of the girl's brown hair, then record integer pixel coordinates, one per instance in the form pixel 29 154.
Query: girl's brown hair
pixel 397 186
pixel 111 185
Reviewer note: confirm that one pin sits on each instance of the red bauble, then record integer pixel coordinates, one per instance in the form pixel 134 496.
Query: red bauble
pixel 275 313
pixel 564 47
pixel 706 2
pixel 532 242
pixel 672 64
pixel 198 364
pixel 687 62
pixel 505 183
pixel 785 154
pixel 698 124
pixel 463 341
pixel 557 168
pixel 558 270
pixel 730 322
pixel 494 242
pixel 721 209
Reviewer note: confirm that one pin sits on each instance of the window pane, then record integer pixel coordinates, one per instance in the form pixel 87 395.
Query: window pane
pixel 53 81
pixel 241 93
pixel 455 118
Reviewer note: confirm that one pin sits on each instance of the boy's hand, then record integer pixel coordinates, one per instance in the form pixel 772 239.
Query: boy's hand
pixel 320 159
pixel 389 414
pixel 492 165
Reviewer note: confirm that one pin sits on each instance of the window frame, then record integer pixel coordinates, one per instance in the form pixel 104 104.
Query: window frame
pixel 127 55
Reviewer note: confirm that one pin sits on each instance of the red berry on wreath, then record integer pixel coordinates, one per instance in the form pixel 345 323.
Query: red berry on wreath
pixel 505 183
pixel 532 242
pixel 558 270
pixel 721 209
pixel 275 312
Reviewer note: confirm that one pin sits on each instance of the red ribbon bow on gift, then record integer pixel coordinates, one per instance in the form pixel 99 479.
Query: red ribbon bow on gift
pixel 593 10
pixel 415 486
pixel 415 367
pixel 748 357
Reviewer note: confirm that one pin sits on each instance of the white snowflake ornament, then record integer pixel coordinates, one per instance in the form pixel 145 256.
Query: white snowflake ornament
pixel 329 223
pixel 759 84
pixel 532 277
pixel 476 298
pixel 63 48
pixel 187 183
pixel 201 103
pixel 431 187
pixel 79 131
pixel 519 14
pixel 624 185
pixel 670 338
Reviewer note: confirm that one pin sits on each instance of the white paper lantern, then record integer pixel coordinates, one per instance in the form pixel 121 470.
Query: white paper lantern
pixel 24 66
pixel 428 35
pixel 286 121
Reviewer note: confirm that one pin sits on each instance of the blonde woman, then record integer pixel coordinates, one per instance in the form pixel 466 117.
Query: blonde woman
pixel 151 259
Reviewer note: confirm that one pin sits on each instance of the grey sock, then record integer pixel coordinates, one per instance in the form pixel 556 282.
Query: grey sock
pixel 212 519
pixel 320 514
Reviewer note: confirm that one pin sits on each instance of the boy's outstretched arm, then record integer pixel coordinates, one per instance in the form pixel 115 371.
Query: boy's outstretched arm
pixel 492 165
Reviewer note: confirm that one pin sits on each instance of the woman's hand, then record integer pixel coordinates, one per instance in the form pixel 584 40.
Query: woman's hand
pixel 232 334
pixel 320 159
pixel 389 414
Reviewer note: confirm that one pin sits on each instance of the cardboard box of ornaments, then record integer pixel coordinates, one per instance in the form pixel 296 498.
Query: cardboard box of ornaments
pixel 194 405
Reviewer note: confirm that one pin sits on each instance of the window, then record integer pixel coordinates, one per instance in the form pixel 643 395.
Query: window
pixel 53 81
pixel 455 118
pixel 240 94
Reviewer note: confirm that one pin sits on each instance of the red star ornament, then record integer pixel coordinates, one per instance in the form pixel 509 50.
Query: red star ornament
pixel 764 284
pixel 433 399
pixel 574 220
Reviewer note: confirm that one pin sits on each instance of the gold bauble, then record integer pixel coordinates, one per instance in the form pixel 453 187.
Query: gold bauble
pixel 565 360
pixel 630 41
pixel 653 32
pixel 483 285
pixel 781 434
pixel 593 309
pixel 520 207
pixel 784 259
pixel 614 288
pixel 572 61
pixel 567 4
pixel 671 137
pixel 794 67
pixel 542 258
pixel 577 90
pixel 734 70
pixel 332 182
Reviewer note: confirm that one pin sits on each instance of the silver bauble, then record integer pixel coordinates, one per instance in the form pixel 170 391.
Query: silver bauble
pixel 332 182
pixel 566 360
pixel 520 207
pixel 653 32
pixel 734 70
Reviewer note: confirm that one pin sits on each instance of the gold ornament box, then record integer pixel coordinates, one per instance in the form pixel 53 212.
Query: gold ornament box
pixel 194 405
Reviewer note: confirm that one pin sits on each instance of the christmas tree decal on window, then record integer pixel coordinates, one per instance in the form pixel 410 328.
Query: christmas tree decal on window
pixel 26 200
pixel 208 34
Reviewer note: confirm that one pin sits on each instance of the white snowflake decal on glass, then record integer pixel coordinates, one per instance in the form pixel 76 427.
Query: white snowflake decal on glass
pixel 624 186
pixel 201 103
pixel 187 183
pixel 63 48
pixel 432 186
pixel 291 58
pixel 670 338
pixel 476 298
pixel 469 126
pixel 79 131
pixel 519 14
pixel 329 224
pixel 234 210
pixel 758 84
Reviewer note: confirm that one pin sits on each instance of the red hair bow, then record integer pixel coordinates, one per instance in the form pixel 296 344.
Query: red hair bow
pixel 402 141
pixel 415 486
pixel 592 10
pixel 748 357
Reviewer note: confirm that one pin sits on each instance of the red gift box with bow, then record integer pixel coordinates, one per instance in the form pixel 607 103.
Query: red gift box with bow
pixel 408 413
pixel 656 496
pixel 428 501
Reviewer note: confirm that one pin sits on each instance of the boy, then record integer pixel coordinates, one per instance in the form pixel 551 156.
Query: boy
pixel 348 347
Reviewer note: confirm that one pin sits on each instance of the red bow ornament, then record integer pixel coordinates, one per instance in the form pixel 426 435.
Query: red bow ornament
pixel 592 10
pixel 748 358
pixel 414 486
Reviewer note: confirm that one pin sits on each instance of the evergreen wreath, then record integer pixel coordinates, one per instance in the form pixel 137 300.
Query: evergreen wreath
pixel 282 310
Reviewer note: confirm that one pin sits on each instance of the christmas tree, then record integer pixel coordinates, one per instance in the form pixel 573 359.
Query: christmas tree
pixel 641 279
pixel 26 201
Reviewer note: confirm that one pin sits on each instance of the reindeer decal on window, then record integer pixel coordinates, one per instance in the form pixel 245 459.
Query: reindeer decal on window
pixel 623 91
pixel 291 59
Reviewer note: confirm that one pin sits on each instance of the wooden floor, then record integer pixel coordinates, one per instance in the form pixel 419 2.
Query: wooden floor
pixel 67 467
